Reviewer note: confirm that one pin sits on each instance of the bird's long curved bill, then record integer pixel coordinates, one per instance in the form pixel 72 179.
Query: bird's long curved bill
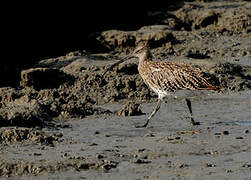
pixel 115 64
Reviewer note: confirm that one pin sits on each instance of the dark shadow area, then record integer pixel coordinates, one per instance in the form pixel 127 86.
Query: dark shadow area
pixel 32 32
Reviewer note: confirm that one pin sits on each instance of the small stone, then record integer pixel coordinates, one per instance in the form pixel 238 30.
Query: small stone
pixel 76 157
pixel 83 166
pixel 37 154
pixel 109 164
pixel 229 171
pixel 92 144
pixel 182 165
pixel 246 131
pixel 144 157
pixel 121 155
pixel 225 133
pixel 59 135
pixel 246 165
pixel 106 167
pixel 65 155
pixel 209 165
pixel 141 150
pixel 239 137
pixel 169 138
pixel 140 161
pixel 135 155
pixel 214 152
pixel 99 156
pixel 217 134
pixel 149 135
pixel 96 132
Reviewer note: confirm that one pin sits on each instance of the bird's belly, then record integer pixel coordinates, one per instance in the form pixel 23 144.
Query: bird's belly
pixel 161 93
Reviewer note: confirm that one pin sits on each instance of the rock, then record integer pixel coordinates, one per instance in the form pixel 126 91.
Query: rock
pixel 130 109
pixel 44 78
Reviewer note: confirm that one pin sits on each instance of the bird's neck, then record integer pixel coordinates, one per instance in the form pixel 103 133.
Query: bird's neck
pixel 147 56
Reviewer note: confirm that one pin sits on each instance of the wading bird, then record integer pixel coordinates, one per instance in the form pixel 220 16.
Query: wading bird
pixel 165 77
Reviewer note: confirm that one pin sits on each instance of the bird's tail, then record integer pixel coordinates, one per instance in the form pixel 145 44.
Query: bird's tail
pixel 214 88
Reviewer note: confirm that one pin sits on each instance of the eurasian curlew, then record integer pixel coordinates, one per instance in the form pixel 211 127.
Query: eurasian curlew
pixel 164 77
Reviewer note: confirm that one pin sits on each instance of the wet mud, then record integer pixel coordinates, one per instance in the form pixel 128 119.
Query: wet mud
pixel 64 120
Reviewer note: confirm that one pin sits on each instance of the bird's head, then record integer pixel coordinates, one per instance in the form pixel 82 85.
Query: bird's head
pixel 142 51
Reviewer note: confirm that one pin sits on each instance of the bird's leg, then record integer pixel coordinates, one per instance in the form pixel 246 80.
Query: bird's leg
pixel 189 105
pixel 155 110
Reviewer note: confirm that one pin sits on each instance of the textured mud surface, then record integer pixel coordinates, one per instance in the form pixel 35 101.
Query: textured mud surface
pixel 66 121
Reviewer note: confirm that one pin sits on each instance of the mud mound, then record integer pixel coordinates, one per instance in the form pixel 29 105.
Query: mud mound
pixel 233 76
pixel 18 168
pixel 25 136
pixel 156 35
pixel 191 17
pixel 23 167
pixel 23 114
pixel 30 108
pixel 130 109
pixel 197 16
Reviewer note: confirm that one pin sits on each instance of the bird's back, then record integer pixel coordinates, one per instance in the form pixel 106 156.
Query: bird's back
pixel 170 76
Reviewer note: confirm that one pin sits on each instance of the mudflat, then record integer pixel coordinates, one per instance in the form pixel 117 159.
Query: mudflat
pixel 66 121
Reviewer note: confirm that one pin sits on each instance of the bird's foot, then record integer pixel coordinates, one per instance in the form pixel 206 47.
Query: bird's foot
pixel 140 126
pixel 193 123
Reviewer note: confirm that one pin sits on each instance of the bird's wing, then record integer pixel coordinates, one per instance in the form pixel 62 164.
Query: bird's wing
pixel 173 76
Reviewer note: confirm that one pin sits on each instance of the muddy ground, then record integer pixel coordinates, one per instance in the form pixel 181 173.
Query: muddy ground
pixel 65 121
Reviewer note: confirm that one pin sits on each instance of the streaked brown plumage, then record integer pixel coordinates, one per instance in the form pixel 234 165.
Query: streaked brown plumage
pixel 164 77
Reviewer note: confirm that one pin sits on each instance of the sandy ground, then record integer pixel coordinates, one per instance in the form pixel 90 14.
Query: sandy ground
pixel 220 148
